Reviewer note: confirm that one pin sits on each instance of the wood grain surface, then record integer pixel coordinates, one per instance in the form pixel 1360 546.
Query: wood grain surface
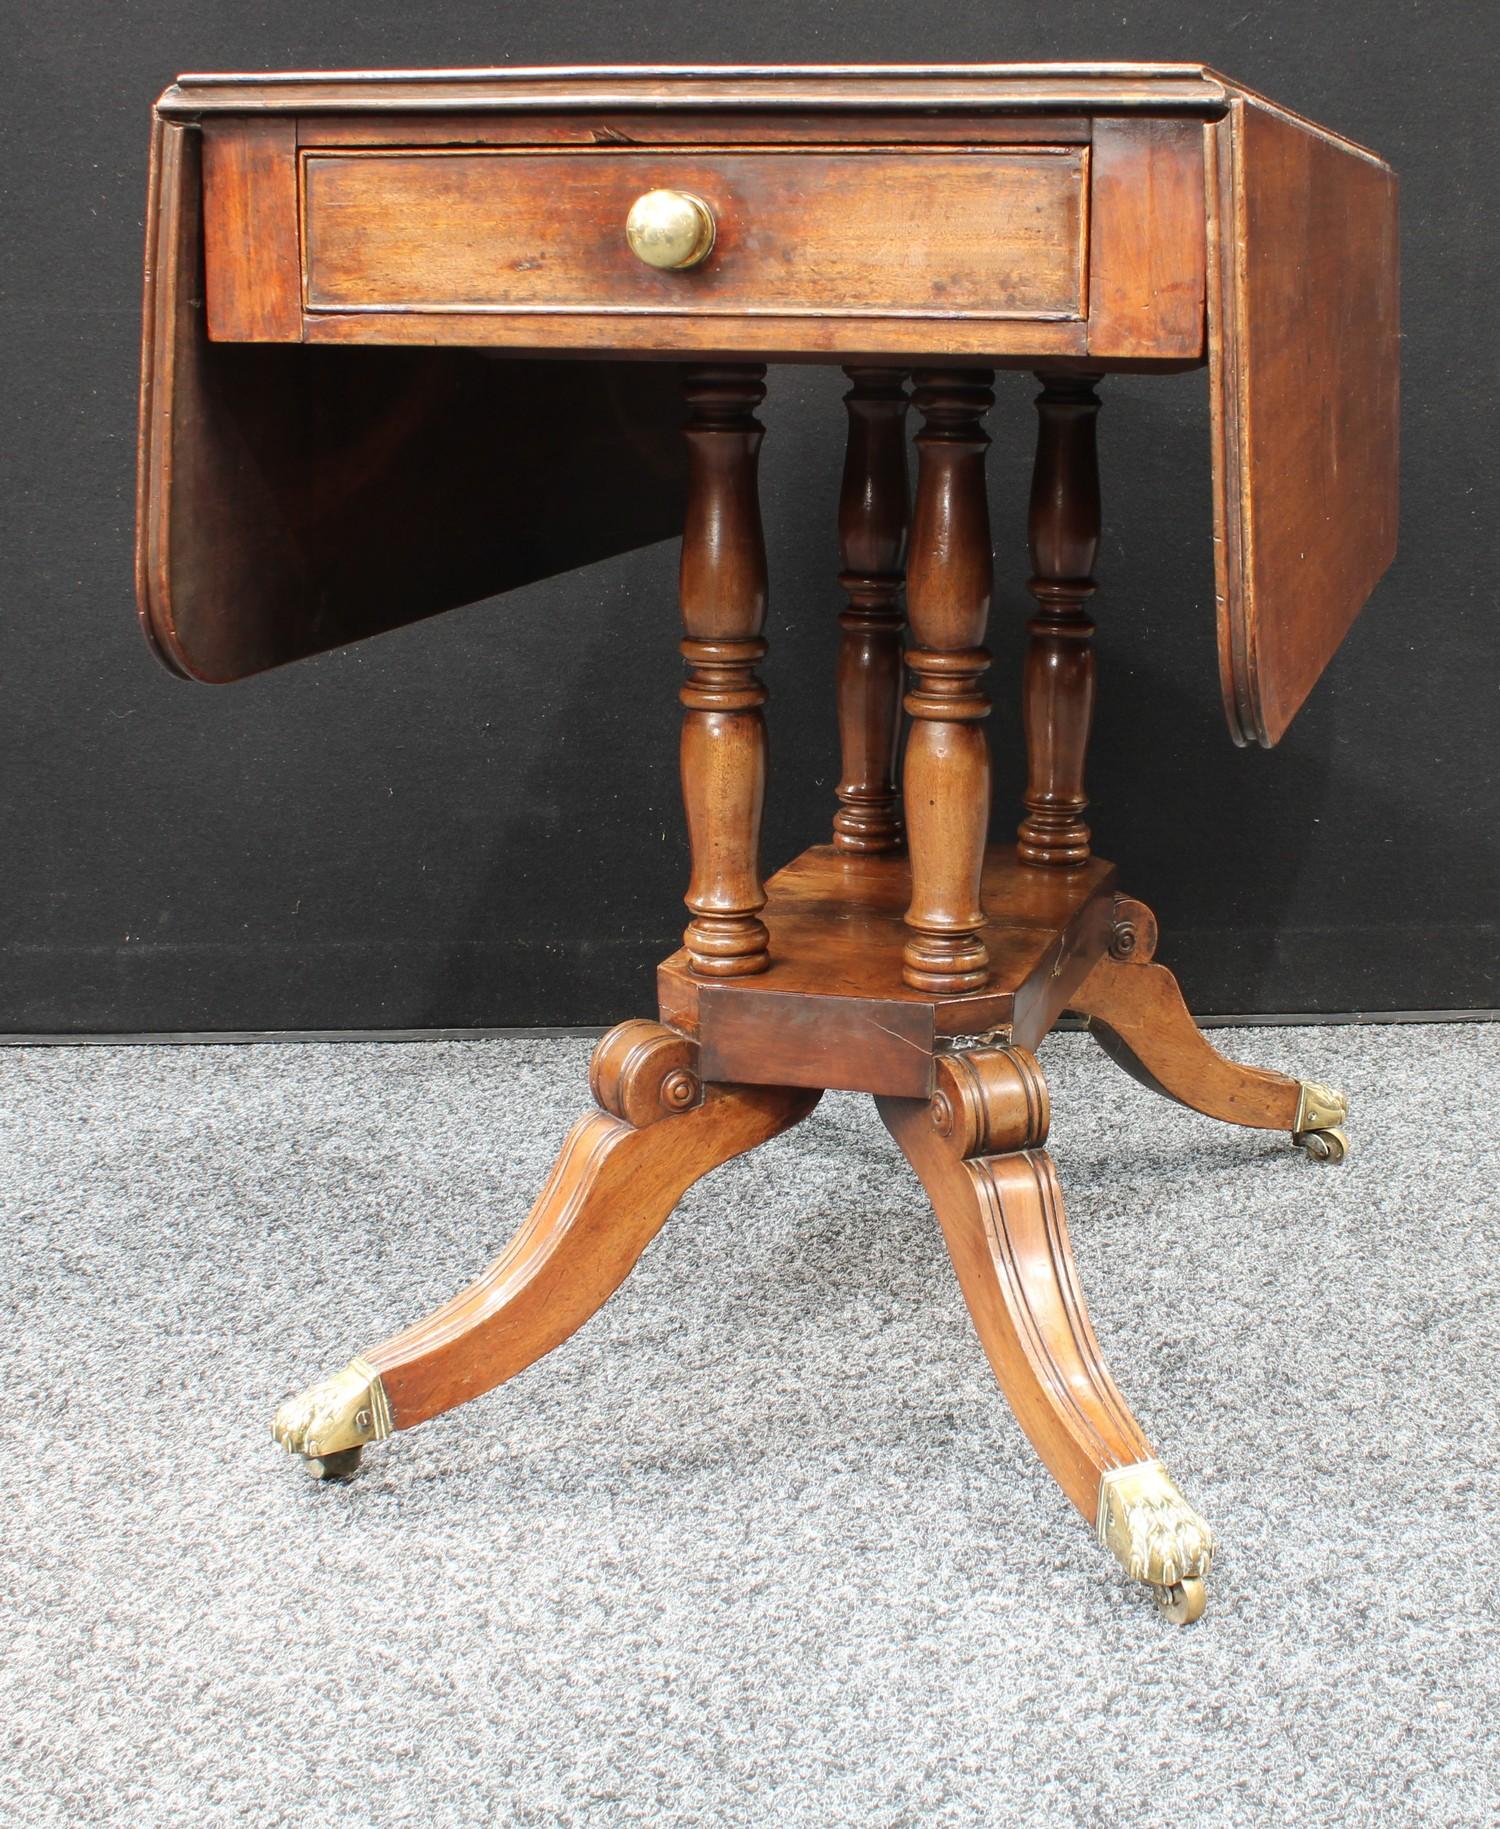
pixel 871 215
pixel 252 247
pixel 722 589
pixel 874 508
pixel 1304 365
pixel 977 1149
pixel 615 1182
pixel 1138 1015
pixel 1146 238
pixel 945 783
pixel 834 1010
pixel 1011 88
pixel 883 234
pixel 1057 694
pixel 291 500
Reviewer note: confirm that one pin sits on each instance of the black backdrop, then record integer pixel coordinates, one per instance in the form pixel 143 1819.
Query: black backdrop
pixel 475 821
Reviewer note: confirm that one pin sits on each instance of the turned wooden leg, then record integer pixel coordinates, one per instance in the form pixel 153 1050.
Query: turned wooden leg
pixel 1138 1016
pixel 947 776
pixel 620 1173
pixel 723 587
pixel 977 1148
pixel 872 540
pixel 1058 689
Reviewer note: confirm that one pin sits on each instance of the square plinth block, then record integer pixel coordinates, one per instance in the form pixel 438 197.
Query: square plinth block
pixel 832 1010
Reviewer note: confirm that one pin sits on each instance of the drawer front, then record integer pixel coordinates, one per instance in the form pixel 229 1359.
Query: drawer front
pixel 882 234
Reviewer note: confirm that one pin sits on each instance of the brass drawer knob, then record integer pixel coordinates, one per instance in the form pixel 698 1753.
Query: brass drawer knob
pixel 670 229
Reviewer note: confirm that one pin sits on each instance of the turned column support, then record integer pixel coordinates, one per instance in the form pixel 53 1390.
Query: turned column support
pixel 872 548
pixel 950 575
pixel 1058 689
pixel 723 592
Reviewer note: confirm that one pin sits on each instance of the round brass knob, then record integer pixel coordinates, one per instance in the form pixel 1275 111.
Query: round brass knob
pixel 670 229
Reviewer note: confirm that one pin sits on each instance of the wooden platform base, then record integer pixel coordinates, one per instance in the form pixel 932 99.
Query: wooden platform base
pixel 832 1011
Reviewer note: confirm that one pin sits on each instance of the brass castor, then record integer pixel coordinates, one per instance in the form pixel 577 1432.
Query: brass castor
pixel 1157 1536
pixel 330 1423
pixel 1320 1111
pixel 341 1464
pixel 1323 1145
pixel 1183 1602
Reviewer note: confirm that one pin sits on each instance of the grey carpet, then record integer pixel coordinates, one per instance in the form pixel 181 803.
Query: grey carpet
pixel 761 1545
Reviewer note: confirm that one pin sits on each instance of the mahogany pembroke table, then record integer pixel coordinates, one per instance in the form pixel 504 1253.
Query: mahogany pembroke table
pixel 414 339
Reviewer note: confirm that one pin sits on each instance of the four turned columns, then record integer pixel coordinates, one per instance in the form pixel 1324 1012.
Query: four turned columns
pixel 946 778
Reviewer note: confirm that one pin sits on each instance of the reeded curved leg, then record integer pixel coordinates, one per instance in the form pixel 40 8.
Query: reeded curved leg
pixel 976 1146
pixel 619 1175
pixel 1138 1017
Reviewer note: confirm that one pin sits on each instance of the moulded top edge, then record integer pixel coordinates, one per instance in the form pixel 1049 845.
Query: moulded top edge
pixel 1170 87
pixel 648 72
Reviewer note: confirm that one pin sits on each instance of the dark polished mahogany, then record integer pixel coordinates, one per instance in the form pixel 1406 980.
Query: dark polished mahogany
pixel 723 728
pixel 947 778
pixel 873 514
pixel 1058 694
pixel 448 238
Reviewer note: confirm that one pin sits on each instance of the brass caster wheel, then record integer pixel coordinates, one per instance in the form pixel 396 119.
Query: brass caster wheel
pixel 1183 1602
pixel 341 1464
pixel 1320 1112
pixel 1323 1145
pixel 329 1424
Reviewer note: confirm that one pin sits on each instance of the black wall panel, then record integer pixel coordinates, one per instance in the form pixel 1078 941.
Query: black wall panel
pixel 475 821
